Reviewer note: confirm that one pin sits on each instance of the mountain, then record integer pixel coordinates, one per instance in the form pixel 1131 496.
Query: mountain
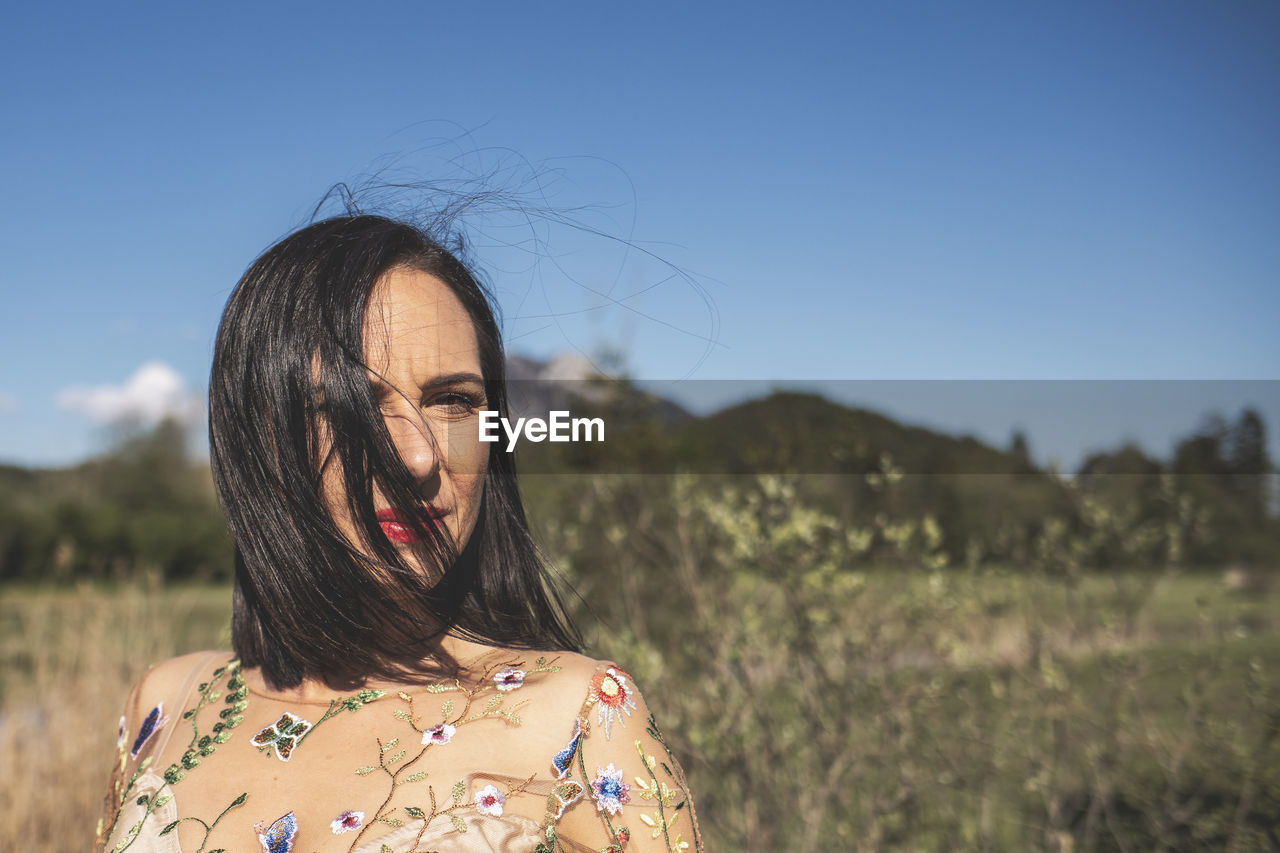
pixel 571 383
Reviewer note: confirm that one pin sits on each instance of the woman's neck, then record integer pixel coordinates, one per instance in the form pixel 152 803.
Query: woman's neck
pixel 458 658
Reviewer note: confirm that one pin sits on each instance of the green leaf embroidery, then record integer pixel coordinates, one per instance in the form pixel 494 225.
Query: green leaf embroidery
pixel 459 791
pixel 458 823
pixel 365 771
pixel 446 710
pixel 414 811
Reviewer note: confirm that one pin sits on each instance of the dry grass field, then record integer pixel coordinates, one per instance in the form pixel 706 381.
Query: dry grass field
pixel 923 712
pixel 69 657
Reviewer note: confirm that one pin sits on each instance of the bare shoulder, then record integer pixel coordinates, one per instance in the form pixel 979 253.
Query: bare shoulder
pixel 167 683
pixel 581 683
pixel 573 667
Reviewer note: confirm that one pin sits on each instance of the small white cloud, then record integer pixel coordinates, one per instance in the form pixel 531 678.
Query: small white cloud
pixel 154 391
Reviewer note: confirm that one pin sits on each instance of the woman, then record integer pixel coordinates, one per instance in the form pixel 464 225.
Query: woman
pixel 403 680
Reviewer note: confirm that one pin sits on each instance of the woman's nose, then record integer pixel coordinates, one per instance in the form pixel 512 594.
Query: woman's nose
pixel 417 447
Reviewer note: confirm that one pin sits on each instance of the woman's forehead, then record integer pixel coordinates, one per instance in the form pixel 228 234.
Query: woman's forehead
pixel 416 326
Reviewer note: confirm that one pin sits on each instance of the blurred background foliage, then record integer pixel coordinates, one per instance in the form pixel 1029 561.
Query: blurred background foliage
pixel 858 635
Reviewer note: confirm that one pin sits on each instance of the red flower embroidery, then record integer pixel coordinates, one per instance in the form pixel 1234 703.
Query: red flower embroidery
pixel 612 690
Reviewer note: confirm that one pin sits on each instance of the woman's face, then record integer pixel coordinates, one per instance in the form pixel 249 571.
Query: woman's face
pixel 420 345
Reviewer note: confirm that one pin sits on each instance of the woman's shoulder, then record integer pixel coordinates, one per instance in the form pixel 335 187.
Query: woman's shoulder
pixel 167 683
pixel 584 693
pixel 571 667
pixel 569 676
pixel 614 758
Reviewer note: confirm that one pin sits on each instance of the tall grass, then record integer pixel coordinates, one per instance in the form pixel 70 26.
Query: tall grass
pixel 69 658
pixel 818 700
pixel 826 701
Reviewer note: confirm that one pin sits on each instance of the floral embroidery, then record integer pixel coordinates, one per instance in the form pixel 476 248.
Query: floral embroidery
pixel 611 691
pixel 346 822
pixel 200 746
pixel 652 791
pixel 662 826
pixel 482 700
pixel 440 734
pixel 620 840
pixel 509 679
pixel 564 758
pixel 564 795
pixel 154 721
pixel 284 734
pixel 664 796
pixel 609 789
pixel 489 800
pixel 278 838
pixel 413 798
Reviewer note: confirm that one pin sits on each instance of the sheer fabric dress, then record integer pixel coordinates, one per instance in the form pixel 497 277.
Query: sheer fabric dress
pixel 535 752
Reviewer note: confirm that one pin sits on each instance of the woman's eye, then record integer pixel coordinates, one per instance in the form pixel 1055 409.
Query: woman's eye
pixel 456 403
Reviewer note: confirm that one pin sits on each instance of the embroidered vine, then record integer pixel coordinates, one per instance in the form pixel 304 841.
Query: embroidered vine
pixel 662 794
pixel 287 733
pixel 494 686
pixel 236 700
pixel 605 790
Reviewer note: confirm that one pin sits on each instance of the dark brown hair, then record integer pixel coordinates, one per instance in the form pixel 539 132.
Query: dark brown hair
pixel 289 357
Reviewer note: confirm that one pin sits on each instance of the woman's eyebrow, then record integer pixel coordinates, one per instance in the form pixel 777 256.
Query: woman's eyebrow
pixel 453 379
pixel 383 389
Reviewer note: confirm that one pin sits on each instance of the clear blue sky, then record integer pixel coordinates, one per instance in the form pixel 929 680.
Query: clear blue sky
pixel 1074 190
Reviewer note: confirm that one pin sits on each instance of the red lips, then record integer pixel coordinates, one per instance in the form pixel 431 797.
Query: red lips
pixel 400 527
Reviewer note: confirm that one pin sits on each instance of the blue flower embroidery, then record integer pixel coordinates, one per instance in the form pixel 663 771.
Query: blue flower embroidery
pixel 609 789
pixel 278 838
pixel 152 724
pixel 565 756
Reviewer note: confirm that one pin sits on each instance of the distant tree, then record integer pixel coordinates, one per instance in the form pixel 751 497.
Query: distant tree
pixel 1248 462
pixel 1020 450
pixel 1225 468
pixel 1203 452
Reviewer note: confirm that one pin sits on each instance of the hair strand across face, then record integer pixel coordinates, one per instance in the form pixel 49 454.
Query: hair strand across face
pixel 290 397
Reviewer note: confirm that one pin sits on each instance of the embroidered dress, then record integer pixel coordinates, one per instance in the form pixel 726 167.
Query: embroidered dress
pixel 537 753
